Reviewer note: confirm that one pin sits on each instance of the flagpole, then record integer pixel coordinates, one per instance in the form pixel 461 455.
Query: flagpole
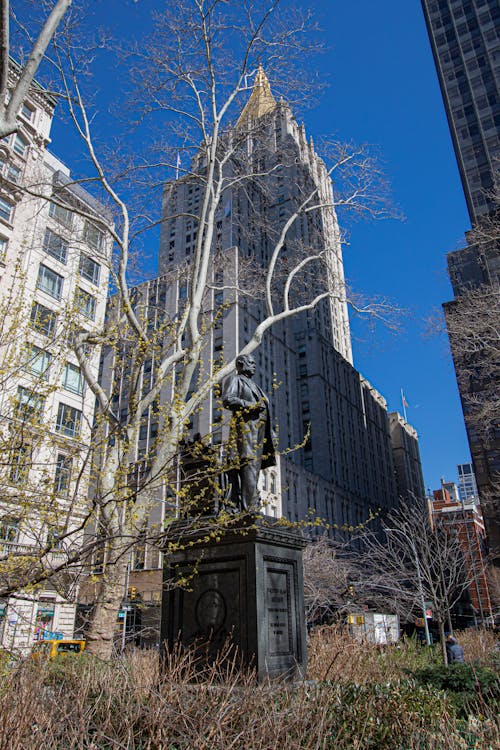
pixel 403 401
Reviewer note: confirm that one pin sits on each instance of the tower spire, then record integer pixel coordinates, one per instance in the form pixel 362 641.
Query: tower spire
pixel 261 100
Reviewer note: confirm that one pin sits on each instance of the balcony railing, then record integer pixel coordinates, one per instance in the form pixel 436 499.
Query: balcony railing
pixel 53 557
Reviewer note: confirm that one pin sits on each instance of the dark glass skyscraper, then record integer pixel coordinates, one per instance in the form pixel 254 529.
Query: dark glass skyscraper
pixel 464 36
pixel 465 43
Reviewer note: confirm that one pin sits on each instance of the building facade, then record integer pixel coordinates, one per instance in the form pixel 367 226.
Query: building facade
pixel 407 464
pixel 53 284
pixel 466 521
pixel 466 47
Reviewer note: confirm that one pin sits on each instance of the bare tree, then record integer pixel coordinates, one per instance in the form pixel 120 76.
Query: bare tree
pixel 196 76
pixel 14 85
pixel 331 581
pixel 417 561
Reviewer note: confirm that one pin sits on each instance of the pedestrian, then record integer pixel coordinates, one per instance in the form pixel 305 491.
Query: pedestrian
pixel 454 651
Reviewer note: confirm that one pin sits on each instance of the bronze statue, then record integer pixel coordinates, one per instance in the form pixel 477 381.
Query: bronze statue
pixel 250 446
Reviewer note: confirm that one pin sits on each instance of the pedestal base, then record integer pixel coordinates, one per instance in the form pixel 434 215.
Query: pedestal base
pixel 247 586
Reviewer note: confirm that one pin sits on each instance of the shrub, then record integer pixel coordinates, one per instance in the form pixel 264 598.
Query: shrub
pixel 471 686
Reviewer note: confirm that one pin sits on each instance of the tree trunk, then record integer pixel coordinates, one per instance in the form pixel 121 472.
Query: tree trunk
pixel 111 593
pixel 112 589
pixel 443 642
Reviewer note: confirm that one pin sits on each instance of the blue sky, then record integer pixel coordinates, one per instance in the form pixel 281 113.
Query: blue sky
pixel 383 90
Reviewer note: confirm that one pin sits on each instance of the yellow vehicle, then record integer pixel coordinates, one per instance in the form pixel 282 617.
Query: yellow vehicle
pixel 49 649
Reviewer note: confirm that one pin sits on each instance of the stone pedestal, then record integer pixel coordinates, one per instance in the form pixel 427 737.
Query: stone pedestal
pixel 248 586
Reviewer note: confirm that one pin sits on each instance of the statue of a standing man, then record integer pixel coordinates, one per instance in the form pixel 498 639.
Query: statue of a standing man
pixel 251 446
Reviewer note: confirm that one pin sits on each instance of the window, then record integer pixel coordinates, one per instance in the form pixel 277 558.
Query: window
pixel 20 460
pixel 13 173
pixel 68 420
pixel 42 319
pixel 89 269
pixel 29 404
pixel 139 559
pixel 73 379
pixel 93 236
pixel 9 529
pixel 61 214
pixel 55 246
pixel 37 361
pixel 49 281
pixel 19 145
pixel 86 303
pixel 3 247
pixel 6 210
pixel 55 537
pixel 27 112
pixel 62 474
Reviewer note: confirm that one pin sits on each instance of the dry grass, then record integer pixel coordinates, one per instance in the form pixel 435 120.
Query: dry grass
pixel 354 699
pixel 478 645
pixel 334 655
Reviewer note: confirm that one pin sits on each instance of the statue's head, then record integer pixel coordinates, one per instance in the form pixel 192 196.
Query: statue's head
pixel 245 364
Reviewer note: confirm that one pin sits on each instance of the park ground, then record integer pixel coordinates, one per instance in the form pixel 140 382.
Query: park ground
pixel 355 696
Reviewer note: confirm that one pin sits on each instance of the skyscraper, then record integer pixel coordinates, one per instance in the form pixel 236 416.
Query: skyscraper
pixel 345 467
pixel 465 45
pixel 466 48
pixel 336 460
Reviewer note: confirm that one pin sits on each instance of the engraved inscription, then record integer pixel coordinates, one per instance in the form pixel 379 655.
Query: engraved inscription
pixel 278 614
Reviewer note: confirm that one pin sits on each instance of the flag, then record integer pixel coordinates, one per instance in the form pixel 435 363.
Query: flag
pixel 177 166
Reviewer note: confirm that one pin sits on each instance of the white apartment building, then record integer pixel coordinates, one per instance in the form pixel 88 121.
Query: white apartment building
pixel 53 283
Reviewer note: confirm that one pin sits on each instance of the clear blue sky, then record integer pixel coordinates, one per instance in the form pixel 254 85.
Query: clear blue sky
pixel 383 91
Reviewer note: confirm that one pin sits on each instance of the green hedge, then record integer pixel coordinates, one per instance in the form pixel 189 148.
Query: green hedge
pixel 469 685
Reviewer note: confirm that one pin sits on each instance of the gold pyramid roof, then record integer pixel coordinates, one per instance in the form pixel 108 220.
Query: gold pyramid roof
pixel 261 100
